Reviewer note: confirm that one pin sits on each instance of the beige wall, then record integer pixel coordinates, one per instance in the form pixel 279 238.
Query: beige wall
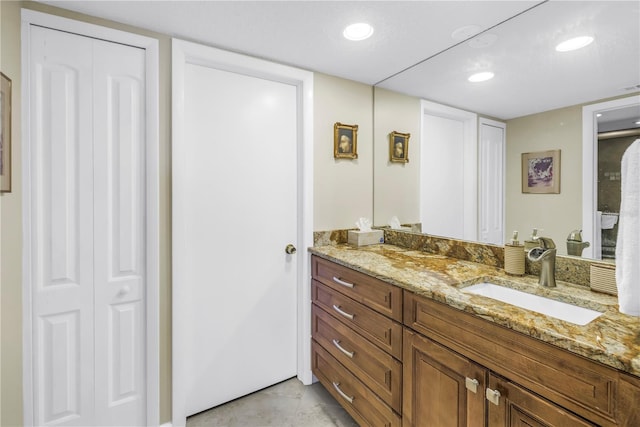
pixel 342 187
pixel 396 186
pixel 344 183
pixel 10 232
pixel 556 214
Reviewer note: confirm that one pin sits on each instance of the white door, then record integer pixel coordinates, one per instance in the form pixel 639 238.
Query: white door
pixel 235 199
pixel 491 168
pixel 87 230
pixel 448 168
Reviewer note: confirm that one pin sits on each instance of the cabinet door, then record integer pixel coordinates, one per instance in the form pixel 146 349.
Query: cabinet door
pixel 517 407
pixel 441 388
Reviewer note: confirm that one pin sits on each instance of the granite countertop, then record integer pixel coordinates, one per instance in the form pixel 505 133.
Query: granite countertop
pixel 612 339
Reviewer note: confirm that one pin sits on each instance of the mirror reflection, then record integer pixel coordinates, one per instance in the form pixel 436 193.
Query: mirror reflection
pixel 464 174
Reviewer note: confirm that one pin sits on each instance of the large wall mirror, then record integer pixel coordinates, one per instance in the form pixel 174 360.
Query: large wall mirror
pixel 542 96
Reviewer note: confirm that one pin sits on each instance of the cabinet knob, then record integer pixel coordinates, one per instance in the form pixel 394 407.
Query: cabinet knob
pixel 471 384
pixel 290 249
pixel 493 396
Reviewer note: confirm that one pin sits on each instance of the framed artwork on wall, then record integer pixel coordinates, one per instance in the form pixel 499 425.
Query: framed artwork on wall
pixel 399 147
pixel 345 141
pixel 5 134
pixel 541 172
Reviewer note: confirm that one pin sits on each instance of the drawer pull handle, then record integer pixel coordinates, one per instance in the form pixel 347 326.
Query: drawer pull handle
pixel 344 313
pixel 348 353
pixel 342 282
pixel 342 393
pixel 493 396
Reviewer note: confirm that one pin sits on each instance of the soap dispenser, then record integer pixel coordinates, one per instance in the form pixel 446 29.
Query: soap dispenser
pixel 514 256
pixel 575 245
pixel 532 242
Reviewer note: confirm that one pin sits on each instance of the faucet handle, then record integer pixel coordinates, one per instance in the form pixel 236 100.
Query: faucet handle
pixel 546 243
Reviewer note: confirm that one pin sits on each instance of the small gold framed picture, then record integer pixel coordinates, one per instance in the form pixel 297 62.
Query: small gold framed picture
pixel 399 147
pixel 541 172
pixel 345 141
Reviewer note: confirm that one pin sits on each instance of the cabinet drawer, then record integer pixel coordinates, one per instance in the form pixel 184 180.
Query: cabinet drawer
pixel 363 404
pixel 578 384
pixel 374 293
pixel 377 369
pixel 382 331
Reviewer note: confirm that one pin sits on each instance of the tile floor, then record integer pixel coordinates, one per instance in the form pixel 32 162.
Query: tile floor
pixel 287 404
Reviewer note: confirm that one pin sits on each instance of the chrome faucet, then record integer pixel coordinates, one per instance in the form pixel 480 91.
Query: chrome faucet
pixel 546 254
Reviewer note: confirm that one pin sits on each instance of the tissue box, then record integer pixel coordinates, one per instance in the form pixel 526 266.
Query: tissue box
pixel 363 238
pixel 603 278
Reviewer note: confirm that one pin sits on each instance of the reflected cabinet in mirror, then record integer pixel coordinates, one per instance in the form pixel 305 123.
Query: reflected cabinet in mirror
pixel 464 179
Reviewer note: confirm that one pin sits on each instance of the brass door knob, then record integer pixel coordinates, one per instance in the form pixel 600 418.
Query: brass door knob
pixel 290 249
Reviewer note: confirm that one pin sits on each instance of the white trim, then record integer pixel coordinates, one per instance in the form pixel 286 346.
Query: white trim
pixel 150 45
pixel 503 126
pixel 469 162
pixel 190 53
pixel 590 166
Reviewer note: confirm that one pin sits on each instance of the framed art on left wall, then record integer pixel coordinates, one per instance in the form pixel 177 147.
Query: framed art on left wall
pixel 5 134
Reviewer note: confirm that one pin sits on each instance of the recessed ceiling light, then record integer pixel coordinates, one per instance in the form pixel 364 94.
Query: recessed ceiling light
pixel 358 31
pixel 465 32
pixel 638 122
pixel 598 114
pixel 574 43
pixel 481 77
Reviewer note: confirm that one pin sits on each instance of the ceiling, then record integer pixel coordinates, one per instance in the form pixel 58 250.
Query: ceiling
pixel 308 35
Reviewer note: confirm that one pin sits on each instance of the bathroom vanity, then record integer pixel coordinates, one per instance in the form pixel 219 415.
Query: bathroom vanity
pixel 465 360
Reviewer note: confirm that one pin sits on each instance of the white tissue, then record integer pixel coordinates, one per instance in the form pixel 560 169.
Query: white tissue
pixel 608 221
pixel 363 224
pixel 394 223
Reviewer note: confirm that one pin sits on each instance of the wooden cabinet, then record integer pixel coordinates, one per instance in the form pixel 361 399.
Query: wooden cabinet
pixel 357 342
pixel 446 367
pixel 441 388
pixel 542 386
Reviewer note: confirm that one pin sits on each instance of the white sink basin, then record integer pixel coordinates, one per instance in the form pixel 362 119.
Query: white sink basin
pixel 559 310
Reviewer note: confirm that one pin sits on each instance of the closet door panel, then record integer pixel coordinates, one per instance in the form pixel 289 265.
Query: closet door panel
pixel 119 233
pixel 59 161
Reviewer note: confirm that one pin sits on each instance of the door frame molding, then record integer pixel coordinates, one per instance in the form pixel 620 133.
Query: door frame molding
pixel 150 45
pixel 183 53
pixel 590 166
pixel 469 162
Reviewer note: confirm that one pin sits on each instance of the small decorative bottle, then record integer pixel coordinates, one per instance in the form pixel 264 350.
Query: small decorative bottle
pixel 532 242
pixel 514 256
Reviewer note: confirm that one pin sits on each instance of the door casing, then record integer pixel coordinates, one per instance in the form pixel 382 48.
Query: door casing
pixel 590 167
pixel 150 46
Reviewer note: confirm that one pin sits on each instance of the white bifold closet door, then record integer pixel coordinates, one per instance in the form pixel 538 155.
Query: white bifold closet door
pixel 87 239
